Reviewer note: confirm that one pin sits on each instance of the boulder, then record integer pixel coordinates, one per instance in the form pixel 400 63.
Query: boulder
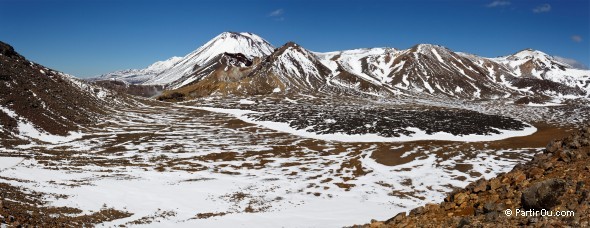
pixel 397 218
pixel 554 146
pixel 494 184
pixel 460 198
pixel 543 195
pixel 480 186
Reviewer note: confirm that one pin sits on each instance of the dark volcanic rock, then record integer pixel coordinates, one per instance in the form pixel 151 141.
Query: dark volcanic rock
pixel 51 101
pixel 543 195
pixel 131 89
pixel 7 50
pixel 389 122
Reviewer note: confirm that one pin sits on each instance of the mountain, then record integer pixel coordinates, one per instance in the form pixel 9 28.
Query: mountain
pixel 138 76
pixel 36 102
pixel 244 63
pixel 530 63
pixel 424 69
pixel 248 44
pixel 291 68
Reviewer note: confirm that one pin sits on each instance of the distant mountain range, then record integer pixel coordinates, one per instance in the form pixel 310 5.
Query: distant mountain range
pixel 244 63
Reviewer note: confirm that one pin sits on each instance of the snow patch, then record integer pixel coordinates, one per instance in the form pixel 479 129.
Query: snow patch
pixel 245 101
pixel 8 162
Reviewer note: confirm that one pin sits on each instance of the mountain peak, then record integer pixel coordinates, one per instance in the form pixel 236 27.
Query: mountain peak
pixel 530 53
pixel 248 44
pixel 291 46
pixel 427 49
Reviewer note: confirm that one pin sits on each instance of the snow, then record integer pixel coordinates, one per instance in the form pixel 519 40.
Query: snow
pixel 27 129
pixel 352 61
pixel 299 65
pixel 8 112
pixel 544 104
pixel 136 76
pixel 8 162
pixel 248 44
pixel 437 55
pixel 428 87
pixel 143 191
pixel 246 101
pixel 276 90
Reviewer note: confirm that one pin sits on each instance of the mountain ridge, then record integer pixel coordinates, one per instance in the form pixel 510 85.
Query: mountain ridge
pixel 425 69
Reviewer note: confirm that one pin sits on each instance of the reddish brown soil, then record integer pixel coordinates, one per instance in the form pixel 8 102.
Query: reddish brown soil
pixel 389 154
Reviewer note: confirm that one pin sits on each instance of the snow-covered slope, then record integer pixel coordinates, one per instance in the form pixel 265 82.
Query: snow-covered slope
pixel 295 68
pixel 372 64
pixel 138 76
pixel 537 64
pixel 247 44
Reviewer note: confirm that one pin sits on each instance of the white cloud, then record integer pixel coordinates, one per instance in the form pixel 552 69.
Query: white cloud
pixel 571 62
pixel 577 38
pixel 497 3
pixel 542 8
pixel 276 13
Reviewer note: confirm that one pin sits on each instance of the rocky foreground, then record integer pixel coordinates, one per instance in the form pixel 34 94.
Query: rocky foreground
pixel 555 180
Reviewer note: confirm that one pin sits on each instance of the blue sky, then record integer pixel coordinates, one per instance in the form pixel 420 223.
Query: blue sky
pixel 90 37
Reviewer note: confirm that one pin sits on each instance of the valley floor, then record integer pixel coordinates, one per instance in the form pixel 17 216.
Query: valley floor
pixel 180 165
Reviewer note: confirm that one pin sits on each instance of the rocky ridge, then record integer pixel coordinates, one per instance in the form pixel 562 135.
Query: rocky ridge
pixel 555 180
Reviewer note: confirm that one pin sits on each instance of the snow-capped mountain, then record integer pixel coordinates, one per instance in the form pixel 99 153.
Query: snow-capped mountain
pixel 138 76
pixel 248 44
pixel 536 64
pixel 291 68
pixel 244 59
pixel 436 70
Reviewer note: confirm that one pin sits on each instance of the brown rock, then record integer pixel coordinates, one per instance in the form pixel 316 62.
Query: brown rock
pixel 574 144
pixel 460 198
pixel 565 155
pixel 467 211
pixel 397 218
pixel 543 195
pixel 536 172
pixel 430 207
pixel 494 184
pixel 518 177
pixel 417 211
pixel 494 197
pixel 447 205
pixel 553 146
pixel 377 224
pixel 481 186
pixel 509 194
